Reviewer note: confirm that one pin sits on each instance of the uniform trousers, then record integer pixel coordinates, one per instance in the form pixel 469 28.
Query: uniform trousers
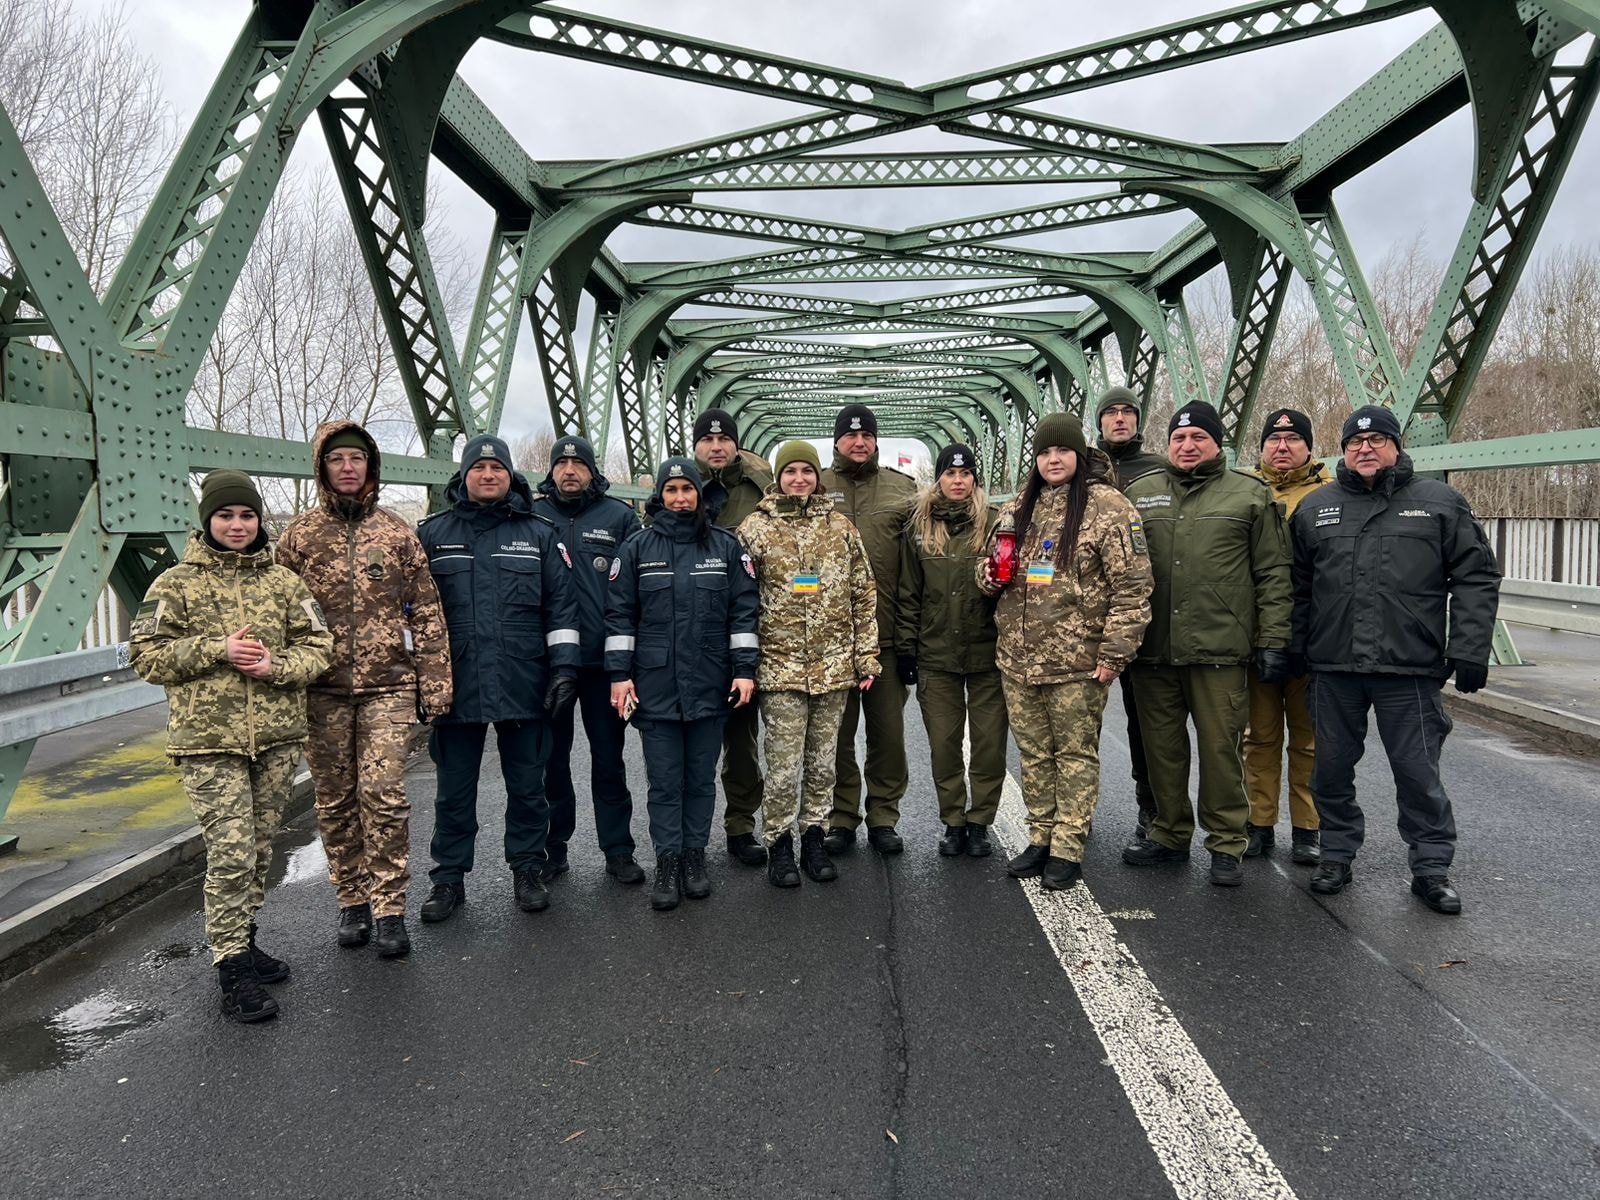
pixel 1413 724
pixel 1216 699
pixel 457 749
pixel 886 772
pixel 1142 795
pixel 608 777
pixel 950 703
pixel 239 803
pixel 741 769
pixel 357 753
pixel 801 732
pixel 1057 728
pixel 680 764
pixel 1272 706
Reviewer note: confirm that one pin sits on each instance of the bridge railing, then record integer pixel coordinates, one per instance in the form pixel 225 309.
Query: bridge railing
pixel 1547 549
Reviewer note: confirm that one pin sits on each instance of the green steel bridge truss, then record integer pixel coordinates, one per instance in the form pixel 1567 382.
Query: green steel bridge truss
pixel 92 388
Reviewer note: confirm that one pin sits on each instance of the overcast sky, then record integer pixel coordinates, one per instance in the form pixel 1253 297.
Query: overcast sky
pixel 561 108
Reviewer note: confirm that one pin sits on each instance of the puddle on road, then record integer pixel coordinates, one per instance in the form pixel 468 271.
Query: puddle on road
pixel 163 956
pixel 71 1034
pixel 298 856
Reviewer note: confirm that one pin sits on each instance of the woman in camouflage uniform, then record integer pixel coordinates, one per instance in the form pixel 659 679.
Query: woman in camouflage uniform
pixel 235 639
pixel 1070 621
pixel 819 639
pixel 944 645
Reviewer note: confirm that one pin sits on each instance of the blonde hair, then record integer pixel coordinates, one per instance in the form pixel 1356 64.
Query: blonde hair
pixel 935 535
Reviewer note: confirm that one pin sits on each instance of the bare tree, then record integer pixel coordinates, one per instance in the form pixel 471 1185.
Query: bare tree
pixel 531 453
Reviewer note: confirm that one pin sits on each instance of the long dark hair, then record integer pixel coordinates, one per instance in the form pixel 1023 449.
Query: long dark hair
pixel 1077 501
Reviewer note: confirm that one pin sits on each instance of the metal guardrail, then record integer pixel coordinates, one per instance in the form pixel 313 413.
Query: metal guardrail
pixel 1569 607
pixel 41 696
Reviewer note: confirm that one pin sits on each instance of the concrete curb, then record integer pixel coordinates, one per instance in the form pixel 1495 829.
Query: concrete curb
pixel 1564 730
pixel 73 914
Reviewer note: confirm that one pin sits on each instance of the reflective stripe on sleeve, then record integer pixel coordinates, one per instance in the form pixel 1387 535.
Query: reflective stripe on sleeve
pixel 618 643
pixel 744 641
pixel 561 637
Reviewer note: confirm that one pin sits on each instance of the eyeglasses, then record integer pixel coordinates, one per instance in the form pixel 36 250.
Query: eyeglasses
pixel 1284 439
pixel 1376 440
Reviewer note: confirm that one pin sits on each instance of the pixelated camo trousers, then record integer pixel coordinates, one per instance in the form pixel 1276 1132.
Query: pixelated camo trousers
pixel 1057 729
pixel 801 732
pixel 239 804
pixel 357 752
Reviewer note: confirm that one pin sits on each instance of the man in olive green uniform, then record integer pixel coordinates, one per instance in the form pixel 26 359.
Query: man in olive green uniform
pixel 1120 414
pixel 878 501
pixel 732 483
pixel 1292 474
pixel 1220 554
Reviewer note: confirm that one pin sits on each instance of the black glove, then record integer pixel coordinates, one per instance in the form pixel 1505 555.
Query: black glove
pixel 1299 665
pixel 1272 665
pixel 558 697
pixel 1470 676
pixel 905 666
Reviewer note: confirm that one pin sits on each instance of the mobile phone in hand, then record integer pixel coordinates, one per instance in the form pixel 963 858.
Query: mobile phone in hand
pixel 629 707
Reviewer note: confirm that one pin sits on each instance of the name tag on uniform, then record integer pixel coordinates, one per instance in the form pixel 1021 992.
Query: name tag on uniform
pixel 804 584
pixel 405 636
pixel 1041 573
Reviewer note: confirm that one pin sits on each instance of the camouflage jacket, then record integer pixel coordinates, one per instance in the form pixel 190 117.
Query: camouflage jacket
pixel 877 501
pixel 368 572
pixel 943 618
pixel 179 640
pixel 818 622
pixel 1291 487
pixel 1088 614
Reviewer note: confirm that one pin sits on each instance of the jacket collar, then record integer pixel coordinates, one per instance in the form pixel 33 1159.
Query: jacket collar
pixel 1385 483
pixel 1311 471
pixel 1196 476
pixel 818 504
pixel 856 472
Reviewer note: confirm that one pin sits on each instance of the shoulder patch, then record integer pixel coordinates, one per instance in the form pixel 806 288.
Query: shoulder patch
pixel 565 557
pixel 313 612
pixel 749 567
pixel 1136 532
pixel 616 568
pixel 148 618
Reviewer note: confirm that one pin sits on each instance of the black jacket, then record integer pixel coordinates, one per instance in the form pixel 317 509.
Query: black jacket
pixel 505 581
pixel 593 528
pixel 681 618
pixel 1373 570
pixel 1130 461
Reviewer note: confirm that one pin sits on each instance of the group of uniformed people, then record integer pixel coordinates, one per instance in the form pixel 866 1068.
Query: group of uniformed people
pixel 815 598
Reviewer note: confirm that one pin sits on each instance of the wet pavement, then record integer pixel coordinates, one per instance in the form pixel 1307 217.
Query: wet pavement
pixel 919 1028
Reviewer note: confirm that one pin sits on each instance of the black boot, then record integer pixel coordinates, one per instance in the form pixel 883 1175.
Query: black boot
pixel 838 839
pixel 393 940
pixel 885 840
pixel 978 843
pixel 1149 853
pixel 1225 870
pixel 532 895
pixel 1437 892
pixel 623 869
pixel 268 969
pixel 692 868
pixel 781 871
pixel 664 891
pixel 745 848
pixel 954 841
pixel 243 998
pixel 1307 848
pixel 1259 839
pixel 1059 874
pixel 444 900
pixel 1029 863
pixel 1331 878
pixel 814 858
pixel 355 925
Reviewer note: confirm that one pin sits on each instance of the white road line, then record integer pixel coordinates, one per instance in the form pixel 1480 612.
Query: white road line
pixel 1205 1147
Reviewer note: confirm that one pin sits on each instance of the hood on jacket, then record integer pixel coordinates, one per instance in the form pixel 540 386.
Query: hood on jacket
pixel 579 448
pixel 1385 483
pixel 346 506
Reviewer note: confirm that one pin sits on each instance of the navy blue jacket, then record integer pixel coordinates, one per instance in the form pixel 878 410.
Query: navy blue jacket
pixel 1374 571
pixel 593 528
pixel 506 585
pixel 681 619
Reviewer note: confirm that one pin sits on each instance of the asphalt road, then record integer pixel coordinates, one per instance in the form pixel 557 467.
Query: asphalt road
pixel 908 1031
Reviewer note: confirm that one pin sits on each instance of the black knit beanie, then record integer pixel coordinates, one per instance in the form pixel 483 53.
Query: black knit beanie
pixel 1197 414
pixel 957 455
pixel 855 418
pixel 1287 420
pixel 715 420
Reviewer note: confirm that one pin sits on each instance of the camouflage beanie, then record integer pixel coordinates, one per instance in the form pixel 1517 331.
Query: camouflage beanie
pixel 222 488
pixel 1060 429
pixel 796 451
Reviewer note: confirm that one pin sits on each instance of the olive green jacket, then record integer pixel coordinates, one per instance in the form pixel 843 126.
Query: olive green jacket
pixel 731 494
pixel 179 639
pixel 942 617
pixel 877 501
pixel 1292 486
pixel 1220 551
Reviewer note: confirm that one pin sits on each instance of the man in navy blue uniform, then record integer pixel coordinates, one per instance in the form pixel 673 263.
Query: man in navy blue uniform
pixel 504 581
pixel 593 527
pixel 1381 558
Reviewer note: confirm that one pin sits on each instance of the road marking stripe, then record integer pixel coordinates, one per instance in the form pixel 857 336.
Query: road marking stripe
pixel 1201 1139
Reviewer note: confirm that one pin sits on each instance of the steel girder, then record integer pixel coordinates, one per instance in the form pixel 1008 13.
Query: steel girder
pixel 98 456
